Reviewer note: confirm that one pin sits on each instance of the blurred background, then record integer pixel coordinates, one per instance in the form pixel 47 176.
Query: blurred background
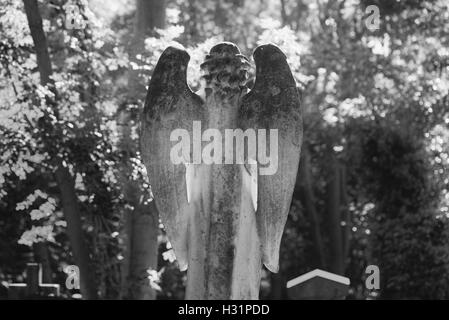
pixel 373 182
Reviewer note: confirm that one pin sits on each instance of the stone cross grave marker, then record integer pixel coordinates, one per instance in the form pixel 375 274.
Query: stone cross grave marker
pixel 33 287
pixel 318 285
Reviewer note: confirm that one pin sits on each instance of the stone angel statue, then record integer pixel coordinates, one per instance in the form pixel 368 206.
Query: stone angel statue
pixel 223 200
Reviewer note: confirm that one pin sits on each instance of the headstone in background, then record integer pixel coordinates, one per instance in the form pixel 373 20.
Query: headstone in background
pixel 318 285
pixel 33 286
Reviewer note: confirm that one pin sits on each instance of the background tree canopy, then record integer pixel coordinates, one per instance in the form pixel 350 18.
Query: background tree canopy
pixel 373 181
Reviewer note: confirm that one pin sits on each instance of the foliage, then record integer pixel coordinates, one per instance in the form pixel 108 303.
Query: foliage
pixel 408 234
pixel 374 101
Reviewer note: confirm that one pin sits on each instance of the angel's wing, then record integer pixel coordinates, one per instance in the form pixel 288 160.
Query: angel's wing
pixel 274 103
pixel 166 131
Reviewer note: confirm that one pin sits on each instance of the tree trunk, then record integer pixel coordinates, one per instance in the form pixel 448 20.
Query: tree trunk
pixel 42 256
pixel 333 211
pixel 150 14
pixel 346 215
pixel 72 215
pixel 63 177
pixel 308 200
pixel 141 221
pixel 278 286
pixel 283 13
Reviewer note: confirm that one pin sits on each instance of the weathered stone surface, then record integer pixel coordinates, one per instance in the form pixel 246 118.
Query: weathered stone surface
pixel 225 70
pixel 170 105
pixel 274 103
pixel 232 266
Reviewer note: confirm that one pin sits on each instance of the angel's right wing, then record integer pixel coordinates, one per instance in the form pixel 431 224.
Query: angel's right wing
pixel 166 145
pixel 274 104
